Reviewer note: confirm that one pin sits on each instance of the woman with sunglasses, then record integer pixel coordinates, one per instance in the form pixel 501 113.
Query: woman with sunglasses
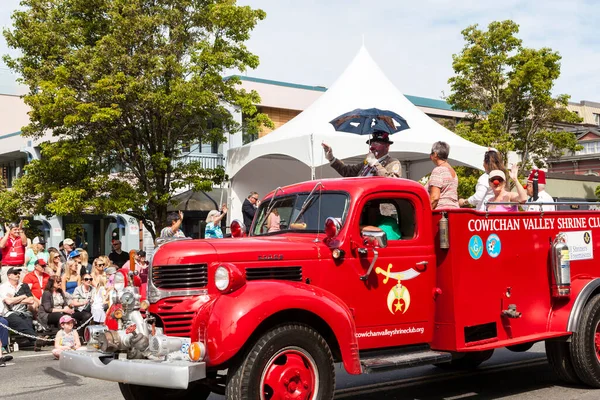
pixel 54 267
pixel 82 300
pixel 98 267
pixel 492 160
pixel 501 195
pixel 54 304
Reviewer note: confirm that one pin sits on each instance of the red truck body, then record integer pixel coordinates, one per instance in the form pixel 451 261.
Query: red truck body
pixel 492 287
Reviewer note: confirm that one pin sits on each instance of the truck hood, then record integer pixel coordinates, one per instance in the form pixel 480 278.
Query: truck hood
pixel 184 252
pixel 275 248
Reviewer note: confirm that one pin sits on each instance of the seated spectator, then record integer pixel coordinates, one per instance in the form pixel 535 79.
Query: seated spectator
pixel 36 251
pixel 71 279
pixel 501 195
pixel 100 300
pixel 37 279
pixel 67 338
pixel 117 256
pixel 213 221
pixel 17 299
pixel 84 259
pixel 54 304
pixel 98 267
pixel 54 267
pixel 273 221
pixel 141 265
pixel 82 300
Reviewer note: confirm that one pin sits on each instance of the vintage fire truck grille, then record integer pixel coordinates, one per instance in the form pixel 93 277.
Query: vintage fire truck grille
pixel 192 276
pixel 278 273
pixel 175 323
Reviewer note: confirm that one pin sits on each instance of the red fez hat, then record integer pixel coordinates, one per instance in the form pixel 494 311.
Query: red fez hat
pixel 541 176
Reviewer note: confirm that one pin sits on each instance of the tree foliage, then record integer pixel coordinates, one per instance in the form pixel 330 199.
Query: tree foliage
pixel 506 89
pixel 124 86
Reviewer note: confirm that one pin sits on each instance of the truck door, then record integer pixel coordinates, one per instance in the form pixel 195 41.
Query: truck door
pixel 394 304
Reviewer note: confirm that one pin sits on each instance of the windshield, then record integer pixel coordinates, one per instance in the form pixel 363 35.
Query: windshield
pixel 285 212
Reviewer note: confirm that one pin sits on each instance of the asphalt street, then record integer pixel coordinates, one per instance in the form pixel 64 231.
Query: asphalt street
pixel 507 375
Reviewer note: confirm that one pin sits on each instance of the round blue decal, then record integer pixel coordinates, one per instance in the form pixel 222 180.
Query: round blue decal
pixel 475 247
pixel 493 245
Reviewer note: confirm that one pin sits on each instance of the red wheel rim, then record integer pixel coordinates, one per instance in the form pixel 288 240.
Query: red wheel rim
pixel 597 341
pixel 291 374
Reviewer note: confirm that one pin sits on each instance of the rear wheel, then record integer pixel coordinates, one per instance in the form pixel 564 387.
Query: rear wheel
pixel 289 361
pixel 559 358
pixel 195 391
pixel 468 361
pixel 585 345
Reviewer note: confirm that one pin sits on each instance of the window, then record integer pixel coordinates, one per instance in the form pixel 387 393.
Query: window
pixel 589 147
pixel 597 119
pixel 396 217
pixel 317 209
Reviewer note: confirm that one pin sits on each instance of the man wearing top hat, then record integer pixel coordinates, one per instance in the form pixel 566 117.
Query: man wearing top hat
pixel 377 163
pixel 538 194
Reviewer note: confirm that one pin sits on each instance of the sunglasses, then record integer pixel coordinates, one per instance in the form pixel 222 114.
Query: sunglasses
pixel 56 256
pixel 100 265
pixel 88 279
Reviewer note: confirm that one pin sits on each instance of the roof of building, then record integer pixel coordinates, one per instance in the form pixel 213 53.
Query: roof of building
pixel 416 100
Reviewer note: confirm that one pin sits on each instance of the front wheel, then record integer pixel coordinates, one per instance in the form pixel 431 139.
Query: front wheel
pixel 585 344
pixel 195 390
pixel 288 361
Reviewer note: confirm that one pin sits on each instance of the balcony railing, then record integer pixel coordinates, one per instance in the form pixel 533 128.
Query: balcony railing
pixel 207 160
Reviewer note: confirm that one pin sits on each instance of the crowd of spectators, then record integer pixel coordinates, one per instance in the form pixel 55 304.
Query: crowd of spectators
pixel 45 290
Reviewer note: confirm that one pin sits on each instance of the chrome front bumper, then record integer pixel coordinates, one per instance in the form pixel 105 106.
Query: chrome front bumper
pixel 164 374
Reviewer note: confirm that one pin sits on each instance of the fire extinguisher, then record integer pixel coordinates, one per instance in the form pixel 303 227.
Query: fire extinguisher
pixel 444 235
pixel 561 267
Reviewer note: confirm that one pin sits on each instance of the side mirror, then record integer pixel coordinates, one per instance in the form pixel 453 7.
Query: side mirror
pixel 332 227
pixel 374 238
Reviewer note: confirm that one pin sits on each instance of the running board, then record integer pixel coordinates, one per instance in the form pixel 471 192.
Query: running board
pixel 397 360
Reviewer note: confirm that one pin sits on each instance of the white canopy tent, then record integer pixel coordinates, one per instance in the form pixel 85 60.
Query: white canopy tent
pixel 293 152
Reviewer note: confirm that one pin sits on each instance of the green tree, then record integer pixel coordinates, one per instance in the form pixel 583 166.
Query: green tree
pixel 506 90
pixel 124 86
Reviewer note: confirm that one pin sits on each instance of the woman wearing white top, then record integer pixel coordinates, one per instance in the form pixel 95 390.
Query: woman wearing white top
pixel 492 160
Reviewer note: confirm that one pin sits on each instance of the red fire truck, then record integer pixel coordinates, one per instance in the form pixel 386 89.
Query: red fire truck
pixel 361 272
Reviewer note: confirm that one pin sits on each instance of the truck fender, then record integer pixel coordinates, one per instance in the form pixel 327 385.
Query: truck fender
pixel 226 324
pixel 565 315
pixel 582 299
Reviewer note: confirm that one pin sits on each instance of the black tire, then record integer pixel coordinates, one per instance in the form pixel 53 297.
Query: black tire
pixel 281 347
pixel 195 391
pixel 585 351
pixel 559 358
pixel 468 361
pixel 520 348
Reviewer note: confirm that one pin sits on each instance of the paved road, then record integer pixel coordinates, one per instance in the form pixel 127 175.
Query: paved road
pixel 523 376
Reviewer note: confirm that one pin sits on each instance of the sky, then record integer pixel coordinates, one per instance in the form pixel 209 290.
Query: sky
pixel 312 41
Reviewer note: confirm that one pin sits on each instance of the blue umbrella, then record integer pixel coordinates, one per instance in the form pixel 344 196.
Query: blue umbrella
pixel 367 121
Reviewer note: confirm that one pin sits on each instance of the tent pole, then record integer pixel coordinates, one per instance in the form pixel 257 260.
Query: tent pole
pixel 312 158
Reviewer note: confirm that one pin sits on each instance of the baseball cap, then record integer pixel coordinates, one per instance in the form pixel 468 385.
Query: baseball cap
pixel 68 242
pixel 380 136
pixel 497 174
pixel 39 240
pixel 74 254
pixel 65 319
pixel 110 270
pixel 40 261
pixel 13 271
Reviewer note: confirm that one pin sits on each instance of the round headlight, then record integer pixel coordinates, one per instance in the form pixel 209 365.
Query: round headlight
pixel 222 278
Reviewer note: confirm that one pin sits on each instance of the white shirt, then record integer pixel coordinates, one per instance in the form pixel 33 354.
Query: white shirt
pixel 483 192
pixel 543 197
pixel 6 290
